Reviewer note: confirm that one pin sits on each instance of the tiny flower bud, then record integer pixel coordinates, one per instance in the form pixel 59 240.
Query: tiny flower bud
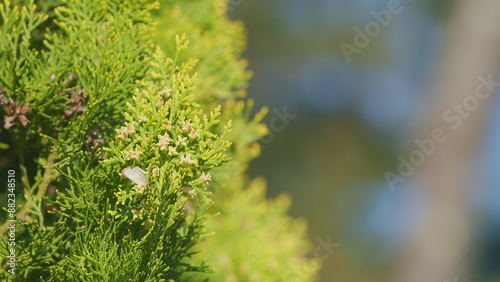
pixel 143 118
pixel 165 91
pixel 122 133
pixel 172 151
pixel 155 172
pixel 164 141
pixel 136 214
pixel 204 178
pixel 193 135
pixel 187 161
pixel 139 190
pixel 149 223
pixel 187 126
pixel 133 155
pixel 160 102
pixel 131 129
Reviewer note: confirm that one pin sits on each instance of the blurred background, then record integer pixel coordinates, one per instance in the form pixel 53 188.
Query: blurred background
pixel 350 86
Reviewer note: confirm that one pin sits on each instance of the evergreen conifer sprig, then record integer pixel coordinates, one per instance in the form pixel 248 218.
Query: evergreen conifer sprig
pixel 126 122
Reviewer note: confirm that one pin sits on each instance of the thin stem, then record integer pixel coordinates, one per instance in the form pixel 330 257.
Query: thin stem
pixel 36 202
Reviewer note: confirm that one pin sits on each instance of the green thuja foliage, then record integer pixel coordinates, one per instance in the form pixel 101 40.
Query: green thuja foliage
pixel 130 147
pixel 253 238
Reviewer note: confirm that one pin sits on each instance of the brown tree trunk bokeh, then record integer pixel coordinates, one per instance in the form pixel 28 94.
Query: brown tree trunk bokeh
pixel 442 242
